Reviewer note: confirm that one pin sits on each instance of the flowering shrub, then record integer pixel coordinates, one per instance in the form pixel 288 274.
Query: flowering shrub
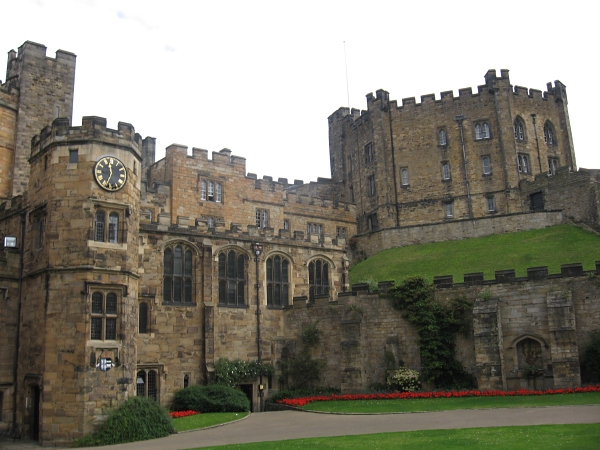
pixel 405 380
pixel 179 414
pixel 299 402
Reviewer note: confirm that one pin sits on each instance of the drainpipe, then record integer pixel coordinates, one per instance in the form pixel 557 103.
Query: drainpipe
pixel 17 343
pixel 460 119
pixel 537 143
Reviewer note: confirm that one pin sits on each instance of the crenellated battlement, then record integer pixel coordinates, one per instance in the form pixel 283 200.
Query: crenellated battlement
pixel 500 276
pixel 381 99
pixel 92 129
pixel 223 159
pixel 33 51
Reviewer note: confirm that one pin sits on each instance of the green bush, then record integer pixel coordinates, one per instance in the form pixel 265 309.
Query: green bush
pixel 212 398
pixel 590 372
pixel 137 419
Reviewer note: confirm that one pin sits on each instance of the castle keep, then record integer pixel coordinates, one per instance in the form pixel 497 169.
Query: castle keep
pixel 121 275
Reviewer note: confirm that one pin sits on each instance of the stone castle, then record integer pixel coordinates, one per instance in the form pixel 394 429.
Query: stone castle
pixel 121 275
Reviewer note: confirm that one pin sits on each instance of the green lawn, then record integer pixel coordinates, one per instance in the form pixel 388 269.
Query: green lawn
pixel 444 404
pixel 581 437
pixel 205 420
pixel 553 246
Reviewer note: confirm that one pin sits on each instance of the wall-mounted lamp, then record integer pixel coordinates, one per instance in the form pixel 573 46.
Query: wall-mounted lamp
pixel 10 241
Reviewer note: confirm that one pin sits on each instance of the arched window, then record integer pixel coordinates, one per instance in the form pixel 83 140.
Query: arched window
pixel 277 281
pixel 523 163
pixel 478 132
pixel 186 380
pixel 486 130
pixel 485 162
pixel 445 171
pixel 232 275
pixel 519 129
pixel 529 354
pixel 143 319
pixel 404 176
pixel 177 287
pixel 548 134
pixel 442 137
pixel 318 278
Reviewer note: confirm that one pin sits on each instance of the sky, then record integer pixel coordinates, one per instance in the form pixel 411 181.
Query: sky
pixel 262 77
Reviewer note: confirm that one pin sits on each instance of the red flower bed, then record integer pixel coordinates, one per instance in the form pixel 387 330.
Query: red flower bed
pixel 299 402
pixel 178 414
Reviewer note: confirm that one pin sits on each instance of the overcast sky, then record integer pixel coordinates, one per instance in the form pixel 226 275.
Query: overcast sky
pixel 261 78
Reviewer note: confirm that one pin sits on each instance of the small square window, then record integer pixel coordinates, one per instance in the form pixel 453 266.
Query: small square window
pixel 73 156
pixel 491 204
pixel 449 210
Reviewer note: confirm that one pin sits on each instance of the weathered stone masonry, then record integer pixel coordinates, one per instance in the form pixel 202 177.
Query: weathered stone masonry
pixel 156 281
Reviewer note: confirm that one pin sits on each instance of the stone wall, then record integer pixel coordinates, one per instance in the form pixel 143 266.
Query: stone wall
pixel 557 311
pixel 575 193
pixel 8 120
pixel 392 163
pixel 369 244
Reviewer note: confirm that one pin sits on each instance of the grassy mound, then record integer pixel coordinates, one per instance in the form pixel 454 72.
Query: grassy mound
pixel 553 246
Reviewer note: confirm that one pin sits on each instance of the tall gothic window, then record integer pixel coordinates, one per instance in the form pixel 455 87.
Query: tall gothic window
pixel 232 275
pixel 178 265
pixel 277 281
pixel 318 278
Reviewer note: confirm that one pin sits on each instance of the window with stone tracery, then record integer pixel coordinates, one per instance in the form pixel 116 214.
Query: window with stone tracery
pixel 232 278
pixel 178 274
pixel 278 287
pixel 318 278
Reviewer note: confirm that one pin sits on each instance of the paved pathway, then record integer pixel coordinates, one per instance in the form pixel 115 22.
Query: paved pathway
pixel 281 425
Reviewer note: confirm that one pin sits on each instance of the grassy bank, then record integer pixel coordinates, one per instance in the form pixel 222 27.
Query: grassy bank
pixel 553 246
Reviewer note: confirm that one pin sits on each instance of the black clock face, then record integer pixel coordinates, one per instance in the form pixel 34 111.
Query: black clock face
pixel 110 173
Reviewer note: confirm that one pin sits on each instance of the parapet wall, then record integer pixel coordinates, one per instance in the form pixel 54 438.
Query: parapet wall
pixel 369 244
pixel 557 310
pixel 92 129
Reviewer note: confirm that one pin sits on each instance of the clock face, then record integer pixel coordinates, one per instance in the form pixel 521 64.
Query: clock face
pixel 110 173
